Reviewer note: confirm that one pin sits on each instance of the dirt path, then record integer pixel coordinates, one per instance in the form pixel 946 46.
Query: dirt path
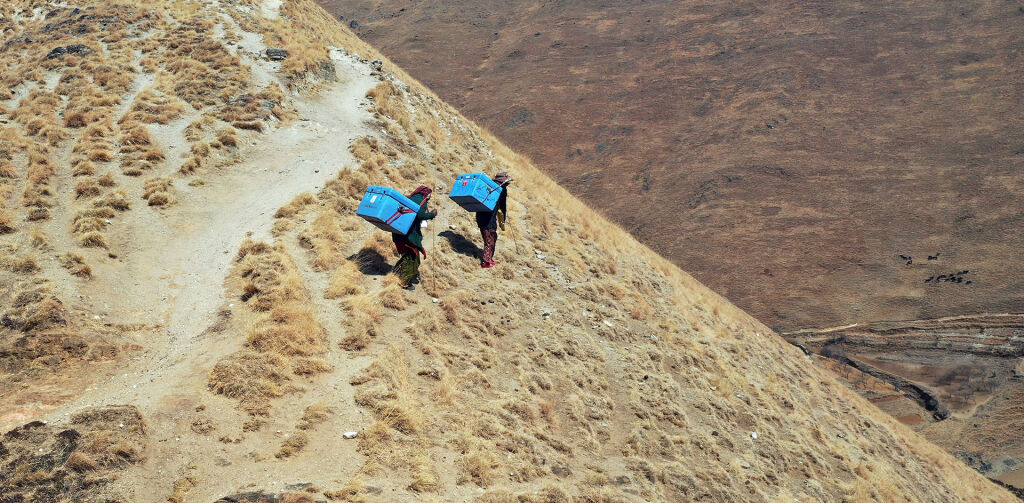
pixel 177 258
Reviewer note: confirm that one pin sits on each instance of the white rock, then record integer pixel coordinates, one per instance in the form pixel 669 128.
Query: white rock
pixel 753 435
pixel 350 434
pixel 435 300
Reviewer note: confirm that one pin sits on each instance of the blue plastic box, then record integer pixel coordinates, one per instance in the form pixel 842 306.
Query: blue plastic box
pixel 388 209
pixel 475 192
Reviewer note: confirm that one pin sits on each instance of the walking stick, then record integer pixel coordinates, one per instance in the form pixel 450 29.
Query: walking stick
pixel 433 274
pixel 512 233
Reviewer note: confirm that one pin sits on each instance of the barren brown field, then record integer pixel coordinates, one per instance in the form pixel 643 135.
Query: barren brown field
pixel 190 311
pixel 786 154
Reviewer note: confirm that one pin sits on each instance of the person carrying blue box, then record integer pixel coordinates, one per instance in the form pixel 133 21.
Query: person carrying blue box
pixel 490 221
pixel 410 244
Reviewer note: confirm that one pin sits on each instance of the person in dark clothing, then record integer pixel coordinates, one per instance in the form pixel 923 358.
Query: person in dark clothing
pixel 490 221
pixel 410 245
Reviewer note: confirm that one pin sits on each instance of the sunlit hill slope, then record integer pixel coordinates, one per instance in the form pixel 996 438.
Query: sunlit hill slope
pixel 191 311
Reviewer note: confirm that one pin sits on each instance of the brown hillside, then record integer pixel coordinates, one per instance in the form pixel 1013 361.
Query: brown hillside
pixel 192 312
pixel 785 154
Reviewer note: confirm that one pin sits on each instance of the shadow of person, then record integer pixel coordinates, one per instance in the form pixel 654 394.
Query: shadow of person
pixel 461 245
pixel 371 262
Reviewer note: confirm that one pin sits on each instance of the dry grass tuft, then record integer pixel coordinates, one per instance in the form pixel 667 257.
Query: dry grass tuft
pixel 389 394
pixel 157 191
pixel 87 188
pixel 132 136
pixel 478 466
pixel 389 101
pixel 153 106
pixel 228 137
pixel 252 378
pixel 363 321
pixel 181 488
pixel 92 239
pixel 285 334
pixel 100 155
pixel 21 265
pixel 75 264
pixel 310 366
pixel 6 222
pixel 424 475
pixel 83 168
pixel 314 415
pixel 7 170
pixel 296 205
pixel 288 329
pixel 107 180
pixel 292 445
pixel 117 200
pixel 391 296
pixel 345 281
pixel 36 310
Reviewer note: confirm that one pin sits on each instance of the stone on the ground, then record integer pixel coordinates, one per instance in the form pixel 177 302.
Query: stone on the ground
pixel 277 54
pixel 78 49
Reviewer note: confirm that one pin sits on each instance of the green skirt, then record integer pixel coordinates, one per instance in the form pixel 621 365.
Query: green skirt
pixel 407 268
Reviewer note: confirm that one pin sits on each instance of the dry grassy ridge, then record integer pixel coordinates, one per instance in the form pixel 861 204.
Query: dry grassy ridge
pixel 582 368
pixel 786 154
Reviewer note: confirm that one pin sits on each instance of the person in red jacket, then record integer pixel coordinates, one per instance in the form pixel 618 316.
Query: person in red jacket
pixel 490 221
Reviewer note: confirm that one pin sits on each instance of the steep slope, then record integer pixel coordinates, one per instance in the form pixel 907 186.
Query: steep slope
pixel 787 154
pixel 219 341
